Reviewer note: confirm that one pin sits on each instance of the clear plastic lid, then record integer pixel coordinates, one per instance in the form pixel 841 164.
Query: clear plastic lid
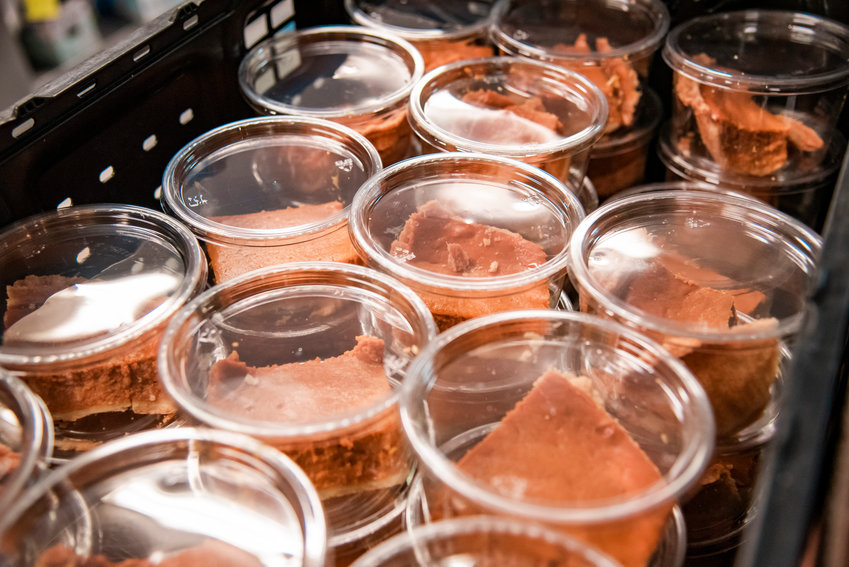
pixel 330 72
pixel 470 233
pixel 289 315
pixel 725 261
pixel 508 107
pixel 170 497
pixel 261 167
pixel 542 29
pixel 424 19
pixel 773 52
pixel 26 438
pixel 85 283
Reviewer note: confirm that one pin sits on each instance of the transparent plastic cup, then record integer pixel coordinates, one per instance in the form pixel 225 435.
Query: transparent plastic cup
pixel 720 280
pixel 443 31
pixel 507 107
pixel 471 234
pixel 483 540
pixel 803 192
pixel 26 438
pixel 269 190
pixel 618 160
pixel 756 92
pixel 174 497
pixel 307 357
pixel 725 501
pixel 353 75
pixel 611 43
pixel 88 290
pixel 494 408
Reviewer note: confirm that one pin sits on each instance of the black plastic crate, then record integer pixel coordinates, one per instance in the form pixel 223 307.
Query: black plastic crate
pixel 106 133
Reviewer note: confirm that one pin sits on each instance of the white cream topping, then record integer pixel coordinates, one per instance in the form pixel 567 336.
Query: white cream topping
pixel 92 308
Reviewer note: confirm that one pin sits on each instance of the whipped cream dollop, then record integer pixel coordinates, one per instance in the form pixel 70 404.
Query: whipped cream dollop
pixel 92 308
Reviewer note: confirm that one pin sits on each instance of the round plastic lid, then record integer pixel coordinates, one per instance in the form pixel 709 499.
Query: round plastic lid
pixel 330 72
pixel 484 191
pixel 423 19
pixel 85 280
pixel 696 264
pixel 509 107
pixel 182 496
pixel 765 51
pixel 544 30
pixel 330 319
pixel 222 182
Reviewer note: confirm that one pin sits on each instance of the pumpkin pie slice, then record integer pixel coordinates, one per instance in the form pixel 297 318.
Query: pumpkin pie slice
pixel 435 240
pixel 228 262
pixel 347 460
pixel 559 446
pixel 737 375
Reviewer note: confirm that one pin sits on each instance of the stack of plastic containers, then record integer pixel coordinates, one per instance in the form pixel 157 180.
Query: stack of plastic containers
pixel 756 97
pixel 612 44
pixel 721 280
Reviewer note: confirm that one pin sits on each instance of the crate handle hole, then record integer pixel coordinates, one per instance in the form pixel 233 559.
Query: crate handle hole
pixel 23 127
pixel 150 143
pixel 66 202
pixel 107 174
pixel 141 53
pixel 282 12
pixel 190 23
pixel 255 31
pixel 187 116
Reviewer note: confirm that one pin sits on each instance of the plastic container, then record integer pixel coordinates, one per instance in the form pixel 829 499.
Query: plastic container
pixel 489 412
pixel 349 74
pixel 174 497
pixel 618 159
pixel 88 292
pixel 307 357
pixel 721 280
pixel 670 552
pixel 803 192
pixel 471 234
pixel 442 31
pixel 611 43
pixel 483 540
pixel 26 438
pixel 757 92
pixel 269 190
pixel 534 112
pixel 725 502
